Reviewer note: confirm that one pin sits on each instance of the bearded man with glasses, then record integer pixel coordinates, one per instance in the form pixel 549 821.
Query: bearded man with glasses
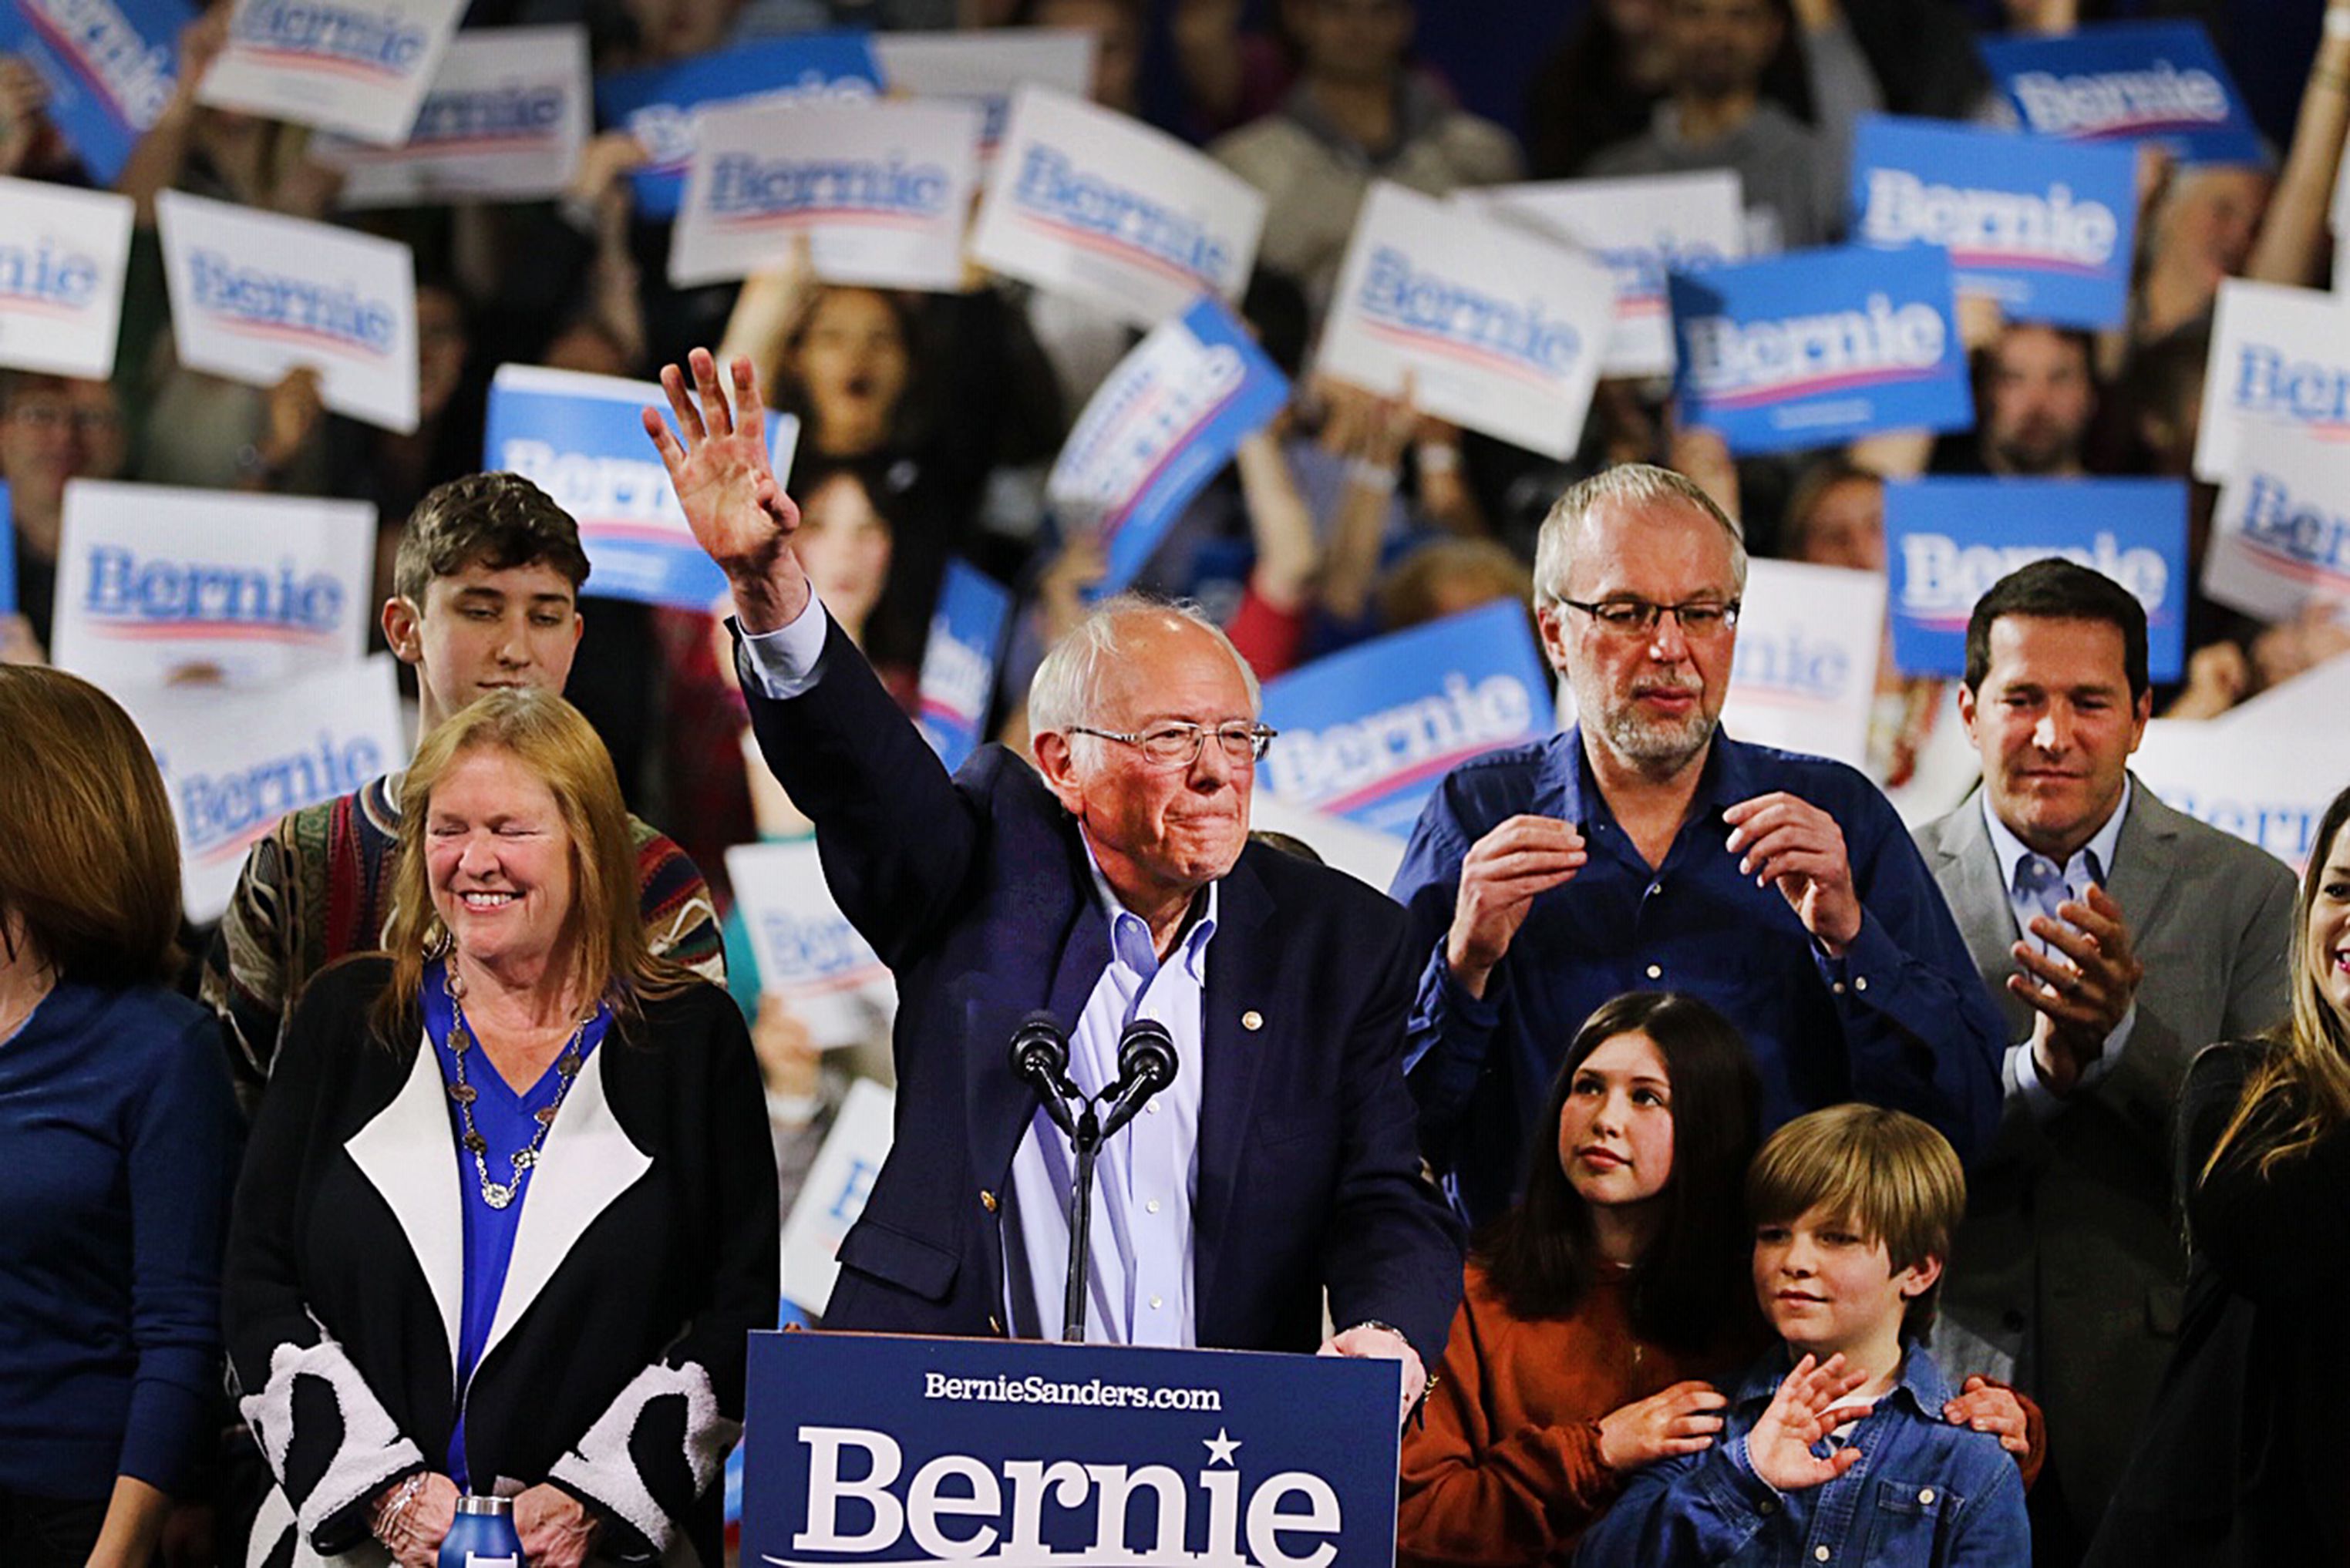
pixel 1646 850
pixel 1113 881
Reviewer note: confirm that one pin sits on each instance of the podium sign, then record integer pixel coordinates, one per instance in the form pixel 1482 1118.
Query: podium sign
pixel 874 1448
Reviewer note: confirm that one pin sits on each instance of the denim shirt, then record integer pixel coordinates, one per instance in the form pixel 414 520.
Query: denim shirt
pixel 1924 1492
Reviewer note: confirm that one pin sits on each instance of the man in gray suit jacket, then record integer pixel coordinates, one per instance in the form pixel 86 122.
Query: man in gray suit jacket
pixel 2120 937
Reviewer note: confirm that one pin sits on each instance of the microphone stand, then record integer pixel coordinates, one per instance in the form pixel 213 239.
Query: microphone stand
pixel 1086 1138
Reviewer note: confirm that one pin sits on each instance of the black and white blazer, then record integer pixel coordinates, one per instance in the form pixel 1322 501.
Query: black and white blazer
pixel 645 1253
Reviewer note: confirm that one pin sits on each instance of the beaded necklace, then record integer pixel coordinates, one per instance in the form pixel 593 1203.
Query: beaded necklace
pixel 498 1194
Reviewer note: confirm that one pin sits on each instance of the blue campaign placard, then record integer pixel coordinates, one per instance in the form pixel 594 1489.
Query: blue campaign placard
pixel 2040 226
pixel 2128 81
pixel 1366 733
pixel 887 1449
pixel 1816 348
pixel 581 438
pixel 7 553
pixel 108 66
pixel 1950 539
pixel 658 102
pixel 958 680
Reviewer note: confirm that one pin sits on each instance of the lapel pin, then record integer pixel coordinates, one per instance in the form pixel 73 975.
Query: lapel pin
pixel 1252 1021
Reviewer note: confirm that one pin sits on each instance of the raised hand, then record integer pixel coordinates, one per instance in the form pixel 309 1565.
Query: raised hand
pixel 1780 1445
pixel 720 472
pixel 1681 1419
pixel 1500 877
pixel 1788 842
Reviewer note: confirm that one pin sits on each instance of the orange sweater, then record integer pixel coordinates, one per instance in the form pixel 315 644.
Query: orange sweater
pixel 1504 1467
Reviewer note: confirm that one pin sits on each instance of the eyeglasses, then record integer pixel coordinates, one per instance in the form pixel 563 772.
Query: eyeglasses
pixel 1178 746
pixel 1639 618
pixel 46 417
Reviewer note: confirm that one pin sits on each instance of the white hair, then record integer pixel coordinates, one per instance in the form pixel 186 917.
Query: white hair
pixel 1067 688
pixel 1626 482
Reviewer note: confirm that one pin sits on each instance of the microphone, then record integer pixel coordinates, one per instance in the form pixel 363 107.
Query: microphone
pixel 1146 1065
pixel 1040 1057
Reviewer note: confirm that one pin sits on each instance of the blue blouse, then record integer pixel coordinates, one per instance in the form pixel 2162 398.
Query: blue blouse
pixel 507 1122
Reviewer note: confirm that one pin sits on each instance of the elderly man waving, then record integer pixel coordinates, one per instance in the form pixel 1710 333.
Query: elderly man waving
pixel 1114 881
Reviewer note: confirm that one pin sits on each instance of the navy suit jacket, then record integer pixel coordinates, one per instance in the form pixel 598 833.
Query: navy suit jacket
pixel 977 893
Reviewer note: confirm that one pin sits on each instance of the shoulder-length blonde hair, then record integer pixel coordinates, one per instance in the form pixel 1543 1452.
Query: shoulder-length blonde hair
pixel 92 864
pixel 2300 1090
pixel 613 957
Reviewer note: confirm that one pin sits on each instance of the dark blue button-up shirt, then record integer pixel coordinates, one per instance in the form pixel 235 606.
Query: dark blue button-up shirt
pixel 1925 1494
pixel 1901 1019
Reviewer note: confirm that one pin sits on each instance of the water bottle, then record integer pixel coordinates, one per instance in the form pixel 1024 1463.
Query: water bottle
pixel 482 1535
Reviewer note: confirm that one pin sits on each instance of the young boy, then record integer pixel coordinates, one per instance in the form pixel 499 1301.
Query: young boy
pixel 1846 1458
pixel 486 594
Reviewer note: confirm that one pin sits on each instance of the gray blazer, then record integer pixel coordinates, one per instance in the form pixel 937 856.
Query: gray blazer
pixel 2070 1269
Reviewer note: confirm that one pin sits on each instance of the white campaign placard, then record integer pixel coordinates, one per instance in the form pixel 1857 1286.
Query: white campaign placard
pixel 2267 784
pixel 833 1196
pixel 2279 355
pixel 1809 638
pixel 233 762
pixel 1642 229
pixel 1500 329
pixel 1363 853
pixel 2281 533
pixel 2282 709
pixel 254 296
pixel 810 956
pixel 1087 202
pixel 882 192
pixel 355 65
pixel 63 254
pixel 986 69
pixel 504 120
pixel 157 583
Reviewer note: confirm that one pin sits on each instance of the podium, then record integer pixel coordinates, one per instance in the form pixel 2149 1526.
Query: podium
pixel 897 1449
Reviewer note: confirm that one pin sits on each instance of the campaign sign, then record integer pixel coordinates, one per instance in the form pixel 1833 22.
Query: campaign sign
pixel 1805 677
pixel 2041 226
pixel 839 1181
pixel 1813 348
pixel 254 295
pixel 1366 732
pixel 810 956
pixel 1368 856
pixel 888 1448
pixel 2280 357
pixel 986 69
pixel 581 438
pixel 1085 202
pixel 233 762
pixel 1642 229
pixel 504 120
pixel 156 583
pixel 62 259
pixel 2268 783
pixel 880 189
pixel 1950 539
pixel 2281 535
pixel 1167 420
pixel 2128 81
pixel 355 65
pixel 109 67
pixel 958 680
pixel 1498 329
pixel 662 105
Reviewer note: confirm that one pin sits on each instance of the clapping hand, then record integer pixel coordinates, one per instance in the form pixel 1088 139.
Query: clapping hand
pixel 1780 1446
pixel 1788 842
pixel 2083 990
pixel 739 515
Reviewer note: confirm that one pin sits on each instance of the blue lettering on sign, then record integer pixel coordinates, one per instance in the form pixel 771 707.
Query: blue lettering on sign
pixel 46 273
pixel 1054 189
pixel 854 1189
pixel 804 950
pixel 1791 663
pixel 1639 270
pixel 1730 360
pixel 2268 382
pixel 125 588
pixel 511 111
pixel 2300 531
pixel 219 812
pixel 743 186
pixel 282 304
pixel 1463 318
pixel 375 41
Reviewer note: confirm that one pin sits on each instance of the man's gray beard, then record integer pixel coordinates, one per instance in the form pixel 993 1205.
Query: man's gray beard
pixel 1664 745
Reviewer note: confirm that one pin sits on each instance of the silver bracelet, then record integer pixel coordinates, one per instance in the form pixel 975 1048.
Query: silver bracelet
pixel 388 1515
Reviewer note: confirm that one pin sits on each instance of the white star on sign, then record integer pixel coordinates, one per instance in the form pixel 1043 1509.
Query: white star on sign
pixel 1219 1447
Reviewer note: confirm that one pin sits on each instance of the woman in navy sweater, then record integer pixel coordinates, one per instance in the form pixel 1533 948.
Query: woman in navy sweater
pixel 117 1142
